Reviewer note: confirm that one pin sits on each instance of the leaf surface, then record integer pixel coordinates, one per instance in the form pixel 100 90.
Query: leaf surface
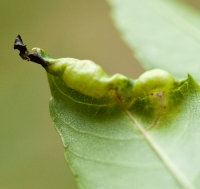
pixel 153 142
pixel 162 34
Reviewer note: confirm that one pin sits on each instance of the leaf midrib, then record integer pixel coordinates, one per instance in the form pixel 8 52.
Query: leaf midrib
pixel 177 174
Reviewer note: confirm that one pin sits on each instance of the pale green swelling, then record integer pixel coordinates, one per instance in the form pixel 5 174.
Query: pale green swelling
pixel 152 137
pixel 89 78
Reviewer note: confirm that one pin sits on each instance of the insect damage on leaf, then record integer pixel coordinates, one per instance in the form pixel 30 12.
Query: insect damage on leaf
pixel 159 100
pixel 90 79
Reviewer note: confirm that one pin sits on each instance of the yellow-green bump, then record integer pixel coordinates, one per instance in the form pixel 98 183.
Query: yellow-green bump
pixel 89 78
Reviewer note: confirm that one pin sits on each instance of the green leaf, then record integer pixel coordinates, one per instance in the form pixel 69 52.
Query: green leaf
pixel 153 142
pixel 163 34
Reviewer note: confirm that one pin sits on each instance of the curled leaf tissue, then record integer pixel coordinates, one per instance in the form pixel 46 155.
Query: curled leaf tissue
pixel 90 79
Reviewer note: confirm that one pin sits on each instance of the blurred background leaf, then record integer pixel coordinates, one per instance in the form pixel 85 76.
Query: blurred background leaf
pixel 31 152
pixel 163 34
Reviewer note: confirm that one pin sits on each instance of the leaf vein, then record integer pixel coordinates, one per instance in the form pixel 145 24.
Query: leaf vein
pixel 100 136
pixel 89 104
pixel 117 163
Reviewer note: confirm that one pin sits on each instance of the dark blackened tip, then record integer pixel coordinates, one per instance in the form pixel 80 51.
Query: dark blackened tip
pixel 34 57
pixel 18 44
pixel 18 39
pixel 24 53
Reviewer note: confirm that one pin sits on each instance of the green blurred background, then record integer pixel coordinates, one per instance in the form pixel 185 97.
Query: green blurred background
pixel 31 152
